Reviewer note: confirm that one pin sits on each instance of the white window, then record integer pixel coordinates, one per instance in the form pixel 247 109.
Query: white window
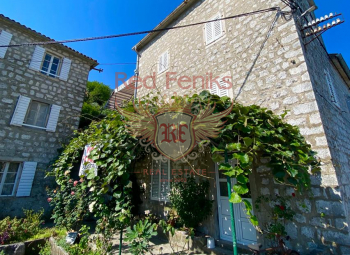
pixel 5 39
pixel 332 92
pixel 160 180
pixel 163 63
pixel 223 90
pixel 214 30
pixel 9 173
pixel 49 64
pixel 36 114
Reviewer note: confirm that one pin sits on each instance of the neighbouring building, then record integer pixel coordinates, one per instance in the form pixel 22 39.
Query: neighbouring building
pixel 41 95
pixel 285 73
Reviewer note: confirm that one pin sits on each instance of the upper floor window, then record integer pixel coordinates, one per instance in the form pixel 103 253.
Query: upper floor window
pixel 37 114
pixel 222 87
pixel 49 64
pixel 163 63
pixel 214 30
pixel 333 93
pixel 5 39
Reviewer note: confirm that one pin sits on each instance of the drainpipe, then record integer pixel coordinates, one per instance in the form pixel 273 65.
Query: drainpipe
pixel 137 70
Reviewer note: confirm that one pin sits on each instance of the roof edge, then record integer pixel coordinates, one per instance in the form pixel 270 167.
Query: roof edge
pixel 186 4
pixel 341 66
pixel 93 63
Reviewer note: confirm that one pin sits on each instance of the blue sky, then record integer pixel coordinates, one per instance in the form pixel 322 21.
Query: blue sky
pixel 69 19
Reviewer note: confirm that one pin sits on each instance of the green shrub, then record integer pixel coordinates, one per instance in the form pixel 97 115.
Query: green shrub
pixel 190 201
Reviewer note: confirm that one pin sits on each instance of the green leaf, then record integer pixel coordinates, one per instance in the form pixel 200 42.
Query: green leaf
pixel 247 141
pixel 242 179
pixel 233 146
pixel 248 205
pixel 225 167
pixel 217 157
pixel 242 157
pixel 214 149
pixel 254 220
pixel 235 198
pixel 241 189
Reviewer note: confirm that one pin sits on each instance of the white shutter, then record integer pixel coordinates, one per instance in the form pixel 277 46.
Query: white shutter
pixel 331 88
pixel 20 111
pixel 53 118
pixel 164 185
pixel 165 61
pixel 223 91
pixel 214 89
pixel 160 64
pixel 209 32
pixel 5 39
pixel 26 181
pixel 37 58
pixel 66 63
pixel 155 181
pixel 217 27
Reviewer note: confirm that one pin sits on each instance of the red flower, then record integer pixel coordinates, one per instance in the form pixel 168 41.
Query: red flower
pixel 293 194
pixel 72 193
pixel 282 207
pixel 49 199
pixel 75 183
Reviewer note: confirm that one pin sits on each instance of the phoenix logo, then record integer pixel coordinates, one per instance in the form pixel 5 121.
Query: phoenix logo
pixel 174 130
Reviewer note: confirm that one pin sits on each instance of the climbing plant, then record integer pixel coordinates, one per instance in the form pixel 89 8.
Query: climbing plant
pixel 250 132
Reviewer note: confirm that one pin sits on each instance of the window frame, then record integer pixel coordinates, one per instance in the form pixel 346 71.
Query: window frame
pixel 212 24
pixel 158 198
pixel 48 72
pixel 47 115
pixel 161 60
pixel 3 178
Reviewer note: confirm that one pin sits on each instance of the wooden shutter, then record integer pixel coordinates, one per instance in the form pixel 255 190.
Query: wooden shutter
pixel 209 32
pixel 20 111
pixel 155 181
pixel 331 88
pixel 26 181
pixel 53 118
pixel 66 63
pixel 37 58
pixel 217 27
pixel 5 39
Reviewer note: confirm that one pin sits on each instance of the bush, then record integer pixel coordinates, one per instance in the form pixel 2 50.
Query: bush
pixel 17 230
pixel 190 201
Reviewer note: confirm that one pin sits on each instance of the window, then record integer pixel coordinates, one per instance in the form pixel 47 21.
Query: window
pixel 8 178
pixel 348 103
pixel 333 95
pixel 5 39
pixel 213 30
pixel 222 90
pixel 163 63
pixel 37 114
pixel 160 180
pixel 50 65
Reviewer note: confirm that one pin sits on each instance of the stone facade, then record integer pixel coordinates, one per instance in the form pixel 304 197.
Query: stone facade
pixel 287 75
pixel 20 143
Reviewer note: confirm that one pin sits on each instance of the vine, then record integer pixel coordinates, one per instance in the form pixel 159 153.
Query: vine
pixel 250 132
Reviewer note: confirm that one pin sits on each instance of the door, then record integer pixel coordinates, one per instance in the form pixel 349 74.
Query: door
pixel 245 232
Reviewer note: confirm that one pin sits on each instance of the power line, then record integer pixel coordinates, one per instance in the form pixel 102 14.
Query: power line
pixel 142 32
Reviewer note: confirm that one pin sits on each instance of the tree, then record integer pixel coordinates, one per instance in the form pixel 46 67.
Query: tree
pixel 96 96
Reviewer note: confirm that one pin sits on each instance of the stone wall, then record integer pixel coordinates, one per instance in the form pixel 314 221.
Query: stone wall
pixel 286 76
pixel 30 144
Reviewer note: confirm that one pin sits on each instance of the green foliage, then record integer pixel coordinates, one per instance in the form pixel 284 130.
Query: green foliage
pixel 96 96
pixel 280 212
pixel 18 230
pixel 139 236
pixel 45 249
pixel 190 200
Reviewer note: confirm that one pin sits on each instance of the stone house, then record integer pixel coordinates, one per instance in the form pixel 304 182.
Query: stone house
pixel 271 63
pixel 41 95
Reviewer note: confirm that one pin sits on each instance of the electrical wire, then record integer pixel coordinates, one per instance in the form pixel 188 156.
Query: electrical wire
pixel 142 32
